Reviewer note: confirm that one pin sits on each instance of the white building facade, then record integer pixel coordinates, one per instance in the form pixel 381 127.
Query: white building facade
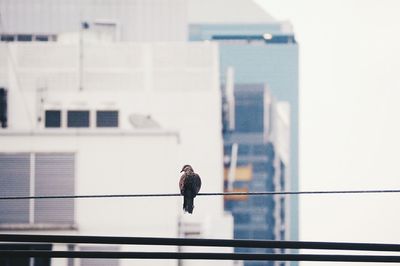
pixel 117 118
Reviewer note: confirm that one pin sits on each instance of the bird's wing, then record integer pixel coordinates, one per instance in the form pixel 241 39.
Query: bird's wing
pixel 197 182
pixel 182 183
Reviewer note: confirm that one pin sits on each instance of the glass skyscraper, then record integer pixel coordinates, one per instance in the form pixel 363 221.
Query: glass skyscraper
pixel 264 60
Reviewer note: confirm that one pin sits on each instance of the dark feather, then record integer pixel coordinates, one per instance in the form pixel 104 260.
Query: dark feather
pixel 189 185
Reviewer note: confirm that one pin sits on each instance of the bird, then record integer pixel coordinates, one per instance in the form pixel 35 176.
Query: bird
pixel 189 185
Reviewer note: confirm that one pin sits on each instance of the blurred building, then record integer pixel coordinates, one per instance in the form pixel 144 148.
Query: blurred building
pixel 257 159
pixel 255 49
pixel 121 20
pixel 88 114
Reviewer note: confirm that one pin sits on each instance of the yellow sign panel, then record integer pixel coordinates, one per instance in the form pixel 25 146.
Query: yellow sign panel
pixel 242 173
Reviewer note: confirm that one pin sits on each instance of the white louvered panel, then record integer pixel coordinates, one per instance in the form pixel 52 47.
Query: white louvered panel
pixel 51 79
pixel 58 80
pixel 27 80
pixel 14 181
pixel 46 55
pixel 201 80
pixel 183 80
pixel 116 55
pixel 199 56
pixel 165 80
pixel 109 80
pixel 169 56
pixel 54 175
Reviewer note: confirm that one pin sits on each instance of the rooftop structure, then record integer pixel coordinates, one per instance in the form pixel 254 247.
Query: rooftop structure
pixel 124 20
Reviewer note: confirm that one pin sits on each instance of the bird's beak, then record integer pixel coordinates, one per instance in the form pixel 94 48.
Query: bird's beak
pixel 181 171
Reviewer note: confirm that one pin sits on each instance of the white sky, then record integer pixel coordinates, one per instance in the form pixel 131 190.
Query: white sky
pixel 349 125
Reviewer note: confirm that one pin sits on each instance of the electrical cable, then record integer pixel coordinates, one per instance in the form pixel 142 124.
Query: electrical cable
pixel 275 244
pixel 263 193
pixel 197 256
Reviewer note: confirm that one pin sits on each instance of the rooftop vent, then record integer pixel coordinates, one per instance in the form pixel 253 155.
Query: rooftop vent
pixel 143 121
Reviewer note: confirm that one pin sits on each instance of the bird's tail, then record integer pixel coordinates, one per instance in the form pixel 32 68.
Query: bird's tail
pixel 188 203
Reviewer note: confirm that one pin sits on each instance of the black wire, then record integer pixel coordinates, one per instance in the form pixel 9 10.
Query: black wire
pixel 197 256
pixel 119 240
pixel 207 194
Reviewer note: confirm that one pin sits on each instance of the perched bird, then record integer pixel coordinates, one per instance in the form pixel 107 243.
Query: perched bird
pixel 189 184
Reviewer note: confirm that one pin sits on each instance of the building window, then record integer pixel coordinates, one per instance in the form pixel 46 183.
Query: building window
pixel 37 174
pixel 7 38
pixel 249 111
pixel 107 118
pixel 3 107
pixel 27 38
pixel 42 38
pixel 266 37
pixel 24 38
pixel 78 119
pixel 52 118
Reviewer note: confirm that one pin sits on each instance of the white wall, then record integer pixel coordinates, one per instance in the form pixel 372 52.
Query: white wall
pixel 115 164
pixel 176 83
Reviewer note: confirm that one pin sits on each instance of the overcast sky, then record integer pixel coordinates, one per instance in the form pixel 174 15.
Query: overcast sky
pixel 349 115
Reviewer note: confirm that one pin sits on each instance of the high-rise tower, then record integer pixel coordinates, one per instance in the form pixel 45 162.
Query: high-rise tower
pixel 256 51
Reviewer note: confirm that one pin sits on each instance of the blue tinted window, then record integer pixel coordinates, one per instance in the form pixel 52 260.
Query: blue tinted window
pixel 7 38
pixel 242 218
pixel 107 119
pixel 42 38
pixel 249 112
pixel 78 118
pixel 227 149
pixel 260 149
pixel 52 118
pixel 259 200
pixel 229 204
pixel 261 166
pixel 24 38
pixel 241 234
pixel 244 149
pixel 261 234
pixel 272 39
